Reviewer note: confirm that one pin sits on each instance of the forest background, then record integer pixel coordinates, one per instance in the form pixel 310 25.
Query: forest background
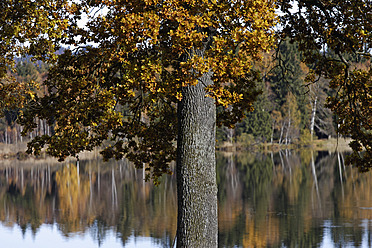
pixel 287 110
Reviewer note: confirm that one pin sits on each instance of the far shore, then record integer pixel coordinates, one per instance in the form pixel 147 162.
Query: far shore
pixel 18 151
pixel 333 144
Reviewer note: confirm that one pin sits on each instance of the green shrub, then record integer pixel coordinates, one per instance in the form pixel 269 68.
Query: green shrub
pixel 246 139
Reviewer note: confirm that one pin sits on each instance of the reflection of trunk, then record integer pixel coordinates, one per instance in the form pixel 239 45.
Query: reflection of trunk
pixel 78 172
pixel 114 194
pixel 48 178
pixel 313 118
pixel 197 224
pixel 22 180
pixel 315 177
pixel 90 186
pixel 281 159
pixel 339 166
pixel 343 161
pixel 42 182
pixel 287 154
pixel 99 180
pixel 143 180
pixel 340 170
pixel 232 173
pixel 314 173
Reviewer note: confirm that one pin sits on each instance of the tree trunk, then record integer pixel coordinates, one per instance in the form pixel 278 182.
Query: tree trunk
pixel 6 134
pixel 230 134
pixel 281 132
pixel 313 112
pixel 16 134
pixel 197 223
pixel 20 133
pixel 288 129
pixel 272 132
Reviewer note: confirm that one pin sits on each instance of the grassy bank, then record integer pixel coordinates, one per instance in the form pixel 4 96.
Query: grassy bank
pixel 316 145
pixel 13 150
pixel 18 151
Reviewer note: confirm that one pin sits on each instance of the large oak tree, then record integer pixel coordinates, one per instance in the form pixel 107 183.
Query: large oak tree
pixel 155 70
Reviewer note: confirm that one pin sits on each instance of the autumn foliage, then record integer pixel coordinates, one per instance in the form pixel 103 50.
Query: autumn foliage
pixel 126 86
pixel 121 79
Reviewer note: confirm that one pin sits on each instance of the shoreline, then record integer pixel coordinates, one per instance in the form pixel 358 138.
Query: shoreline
pixel 333 144
pixel 18 151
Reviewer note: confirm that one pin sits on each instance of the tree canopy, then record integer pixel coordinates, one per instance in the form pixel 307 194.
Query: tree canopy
pixel 125 86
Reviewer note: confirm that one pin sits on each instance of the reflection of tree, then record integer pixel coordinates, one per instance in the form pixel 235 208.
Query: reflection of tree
pixel 98 231
pixel 353 199
pixel 230 214
pixel 26 196
pixel 148 210
pixel 245 223
pixel 72 195
pixel 261 234
pixel 277 205
pixel 256 178
pixel 264 200
pixel 102 198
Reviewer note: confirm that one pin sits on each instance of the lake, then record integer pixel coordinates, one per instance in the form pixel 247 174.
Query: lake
pixel 285 199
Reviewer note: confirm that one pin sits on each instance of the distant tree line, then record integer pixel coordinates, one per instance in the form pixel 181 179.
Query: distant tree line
pixel 287 111
pixel 10 131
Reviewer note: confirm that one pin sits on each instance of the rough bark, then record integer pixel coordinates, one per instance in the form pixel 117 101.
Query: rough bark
pixel 197 224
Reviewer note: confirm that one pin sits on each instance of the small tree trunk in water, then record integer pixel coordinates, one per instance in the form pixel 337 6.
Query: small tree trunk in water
pixel 197 223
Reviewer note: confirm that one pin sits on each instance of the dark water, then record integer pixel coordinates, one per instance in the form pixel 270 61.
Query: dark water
pixel 287 199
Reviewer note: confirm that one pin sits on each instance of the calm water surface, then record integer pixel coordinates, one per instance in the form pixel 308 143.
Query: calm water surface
pixel 287 199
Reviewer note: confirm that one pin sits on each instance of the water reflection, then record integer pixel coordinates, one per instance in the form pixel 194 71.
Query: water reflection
pixel 293 200
pixel 286 199
pixel 95 199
